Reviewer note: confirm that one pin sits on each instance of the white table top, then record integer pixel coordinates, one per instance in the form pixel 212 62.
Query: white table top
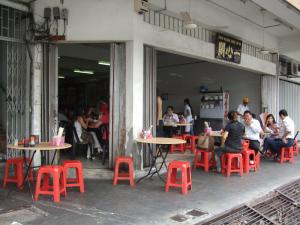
pixel 41 146
pixel 161 140
pixel 177 124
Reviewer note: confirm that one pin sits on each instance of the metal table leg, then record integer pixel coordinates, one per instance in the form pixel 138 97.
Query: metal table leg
pixel 27 171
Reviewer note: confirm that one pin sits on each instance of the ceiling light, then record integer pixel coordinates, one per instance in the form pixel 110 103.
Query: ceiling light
pixel 61 77
pixel 104 63
pixel 83 71
pixel 264 51
pixel 190 25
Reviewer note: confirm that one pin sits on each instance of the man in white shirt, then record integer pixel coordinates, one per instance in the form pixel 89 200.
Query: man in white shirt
pixel 286 133
pixel 252 131
pixel 243 107
pixel 170 120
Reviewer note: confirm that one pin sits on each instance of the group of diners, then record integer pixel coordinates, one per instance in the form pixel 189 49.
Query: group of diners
pixel 270 137
pixel 91 127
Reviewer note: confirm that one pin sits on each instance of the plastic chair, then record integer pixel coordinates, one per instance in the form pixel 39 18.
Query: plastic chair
pixel 178 147
pixel 205 159
pixel 287 154
pixel 78 180
pixel 58 187
pixel 123 176
pixel 185 182
pixel 232 162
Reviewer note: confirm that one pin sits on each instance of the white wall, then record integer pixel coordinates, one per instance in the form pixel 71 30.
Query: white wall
pixel 239 83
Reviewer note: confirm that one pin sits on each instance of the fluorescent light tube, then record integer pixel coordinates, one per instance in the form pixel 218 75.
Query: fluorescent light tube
pixel 61 77
pixel 83 71
pixel 104 63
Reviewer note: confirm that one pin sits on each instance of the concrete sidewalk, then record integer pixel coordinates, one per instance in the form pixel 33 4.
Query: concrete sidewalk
pixel 147 202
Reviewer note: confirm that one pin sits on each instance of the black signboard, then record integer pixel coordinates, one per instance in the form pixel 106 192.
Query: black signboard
pixel 228 49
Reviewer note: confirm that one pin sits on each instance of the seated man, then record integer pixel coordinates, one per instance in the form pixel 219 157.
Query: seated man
pixel 231 139
pixel 252 131
pixel 169 120
pixel 286 133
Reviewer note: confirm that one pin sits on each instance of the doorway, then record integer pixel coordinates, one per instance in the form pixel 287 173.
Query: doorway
pixel 84 89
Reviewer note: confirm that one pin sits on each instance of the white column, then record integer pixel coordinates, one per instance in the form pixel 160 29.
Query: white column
pixel 36 97
pixel 134 98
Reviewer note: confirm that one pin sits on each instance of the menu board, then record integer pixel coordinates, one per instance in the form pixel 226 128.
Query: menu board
pixel 228 49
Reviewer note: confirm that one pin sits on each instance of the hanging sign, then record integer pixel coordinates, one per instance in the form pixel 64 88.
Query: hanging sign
pixel 228 49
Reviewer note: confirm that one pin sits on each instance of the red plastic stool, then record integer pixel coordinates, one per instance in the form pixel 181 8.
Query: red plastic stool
pixel 186 178
pixel 78 180
pixel 58 187
pixel 123 176
pixel 190 142
pixel 230 163
pixel 287 154
pixel 247 154
pixel 17 178
pixel 295 148
pixel 205 161
pixel 179 147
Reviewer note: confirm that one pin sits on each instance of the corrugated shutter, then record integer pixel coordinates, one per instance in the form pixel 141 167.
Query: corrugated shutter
pixel 289 97
pixel 269 94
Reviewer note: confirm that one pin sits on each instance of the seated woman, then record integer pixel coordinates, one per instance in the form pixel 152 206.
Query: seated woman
pixel 271 128
pixel 84 136
pixel 231 139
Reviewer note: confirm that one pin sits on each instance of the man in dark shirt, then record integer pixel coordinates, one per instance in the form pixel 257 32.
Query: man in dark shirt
pixel 231 139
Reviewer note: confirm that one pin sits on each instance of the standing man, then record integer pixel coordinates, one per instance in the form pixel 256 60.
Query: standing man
pixel 188 115
pixel 286 133
pixel 231 138
pixel 243 107
pixel 252 131
pixel 159 119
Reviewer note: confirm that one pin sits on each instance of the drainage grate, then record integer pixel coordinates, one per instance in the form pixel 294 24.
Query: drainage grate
pixel 291 191
pixel 195 213
pixel 280 210
pixel 179 218
pixel 240 216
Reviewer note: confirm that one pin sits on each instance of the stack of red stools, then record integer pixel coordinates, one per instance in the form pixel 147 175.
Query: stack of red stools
pixel 59 182
pixel 190 142
pixel 204 158
pixel 178 147
pixel 185 182
pixel 18 176
pixel 287 154
pixel 247 154
pixel 296 149
pixel 232 162
pixel 123 176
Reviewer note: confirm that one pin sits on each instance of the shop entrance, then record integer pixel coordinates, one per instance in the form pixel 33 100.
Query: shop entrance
pixel 83 101
pixel 206 85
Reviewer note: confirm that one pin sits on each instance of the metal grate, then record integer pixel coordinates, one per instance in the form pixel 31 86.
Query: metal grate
pixel 240 216
pixel 280 210
pixel 291 191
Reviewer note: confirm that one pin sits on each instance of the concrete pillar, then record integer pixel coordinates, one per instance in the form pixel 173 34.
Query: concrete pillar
pixel 36 97
pixel 134 99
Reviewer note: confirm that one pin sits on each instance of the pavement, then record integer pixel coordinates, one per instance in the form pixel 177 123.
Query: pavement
pixel 146 202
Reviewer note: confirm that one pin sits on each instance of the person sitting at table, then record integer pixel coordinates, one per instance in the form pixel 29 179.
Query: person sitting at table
pixel 231 138
pixel 271 129
pixel 252 131
pixel 170 120
pixel 286 133
pixel 85 136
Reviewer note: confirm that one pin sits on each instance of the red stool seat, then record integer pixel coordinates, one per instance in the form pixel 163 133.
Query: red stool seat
pixel 287 154
pixel 18 176
pixel 123 176
pixel 190 142
pixel 179 147
pixel 204 158
pixel 295 148
pixel 58 187
pixel 78 180
pixel 232 162
pixel 247 154
pixel 186 179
